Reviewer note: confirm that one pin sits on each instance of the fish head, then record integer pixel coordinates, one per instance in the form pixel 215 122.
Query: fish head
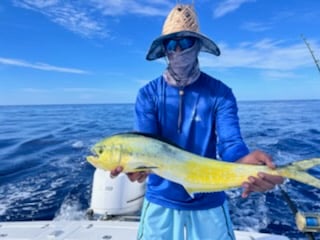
pixel 105 156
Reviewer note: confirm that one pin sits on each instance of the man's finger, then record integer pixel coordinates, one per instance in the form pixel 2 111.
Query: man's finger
pixel 246 190
pixel 115 172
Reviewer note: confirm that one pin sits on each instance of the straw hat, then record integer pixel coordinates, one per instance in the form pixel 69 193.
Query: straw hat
pixel 181 22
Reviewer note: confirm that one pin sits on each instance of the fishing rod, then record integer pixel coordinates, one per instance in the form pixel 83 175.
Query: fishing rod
pixel 316 61
pixel 307 223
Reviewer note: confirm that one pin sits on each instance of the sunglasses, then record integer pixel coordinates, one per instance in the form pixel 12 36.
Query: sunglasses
pixel 184 43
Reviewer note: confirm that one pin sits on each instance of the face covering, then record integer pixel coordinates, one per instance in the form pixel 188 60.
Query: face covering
pixel 183 68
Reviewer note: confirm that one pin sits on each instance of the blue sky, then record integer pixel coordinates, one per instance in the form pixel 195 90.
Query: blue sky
pixel 93 51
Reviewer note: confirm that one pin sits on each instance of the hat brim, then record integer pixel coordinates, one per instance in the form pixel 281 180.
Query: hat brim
pixel 157 50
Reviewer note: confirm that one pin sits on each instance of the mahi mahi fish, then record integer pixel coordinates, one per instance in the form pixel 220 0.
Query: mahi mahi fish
pixel 138 152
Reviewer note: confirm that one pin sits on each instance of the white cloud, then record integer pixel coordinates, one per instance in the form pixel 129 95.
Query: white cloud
pixel 43 3
pixel 40 66
pixel 278 74
pixel 266 54
pixel 72 16
pixel 228 6
pixel 256 26
pixel 85 90
pixel 145 8
pixel 34 90
pixel 90 18
pixel 142 82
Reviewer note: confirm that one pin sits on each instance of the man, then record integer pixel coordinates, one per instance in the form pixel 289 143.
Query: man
pixel 198 113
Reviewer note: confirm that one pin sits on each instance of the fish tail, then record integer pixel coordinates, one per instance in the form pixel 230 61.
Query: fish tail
pixel 297 171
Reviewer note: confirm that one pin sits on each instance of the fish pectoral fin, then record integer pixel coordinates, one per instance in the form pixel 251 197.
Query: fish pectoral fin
pixel 145 168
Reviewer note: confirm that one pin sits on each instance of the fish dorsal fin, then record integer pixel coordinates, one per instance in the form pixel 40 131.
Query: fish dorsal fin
pixel 153 136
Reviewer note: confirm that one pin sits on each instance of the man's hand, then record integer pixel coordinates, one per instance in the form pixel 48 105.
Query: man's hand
pixel 134 176
pixel 263 182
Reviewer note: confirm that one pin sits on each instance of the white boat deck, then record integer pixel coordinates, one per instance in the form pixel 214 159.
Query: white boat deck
pixel 116 225
pixel 91 230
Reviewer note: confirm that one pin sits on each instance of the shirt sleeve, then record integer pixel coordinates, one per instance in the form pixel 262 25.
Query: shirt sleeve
pixel 231 146
pixel 146 120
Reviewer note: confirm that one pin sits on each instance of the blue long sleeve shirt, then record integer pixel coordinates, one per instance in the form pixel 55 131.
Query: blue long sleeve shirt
pixel 209 127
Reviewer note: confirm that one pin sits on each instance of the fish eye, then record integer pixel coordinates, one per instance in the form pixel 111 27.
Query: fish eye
pixel 99 150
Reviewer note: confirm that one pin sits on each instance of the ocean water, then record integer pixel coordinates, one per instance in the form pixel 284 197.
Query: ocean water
pixel 44 174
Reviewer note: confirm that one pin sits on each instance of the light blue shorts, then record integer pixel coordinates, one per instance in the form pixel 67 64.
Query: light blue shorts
pixel 159 223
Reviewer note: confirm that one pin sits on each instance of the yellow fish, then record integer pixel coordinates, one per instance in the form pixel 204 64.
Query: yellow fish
pixel 138 152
